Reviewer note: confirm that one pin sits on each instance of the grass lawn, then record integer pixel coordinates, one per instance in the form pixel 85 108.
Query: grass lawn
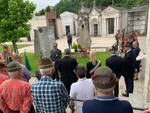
pixel 33 59
pixel 10 46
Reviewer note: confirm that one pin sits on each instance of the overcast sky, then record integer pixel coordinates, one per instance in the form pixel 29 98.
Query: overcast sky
pixel 40 4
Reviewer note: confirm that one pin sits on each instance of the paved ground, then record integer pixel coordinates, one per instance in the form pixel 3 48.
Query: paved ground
pixel 136 99
pixel 101 43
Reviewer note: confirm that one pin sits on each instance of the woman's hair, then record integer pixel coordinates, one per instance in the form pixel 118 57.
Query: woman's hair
pixel 92 55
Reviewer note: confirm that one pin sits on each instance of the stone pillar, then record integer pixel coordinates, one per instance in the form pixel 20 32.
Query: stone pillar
pixel 147 71
pixel 37 48
pixel 104 27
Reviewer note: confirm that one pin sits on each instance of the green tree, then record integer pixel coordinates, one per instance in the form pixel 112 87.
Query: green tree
pixel 14 17
pixel 75 5
pixel 41 12
pixel 64 5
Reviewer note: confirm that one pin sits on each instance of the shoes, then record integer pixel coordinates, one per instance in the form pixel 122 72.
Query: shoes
pixel 125 94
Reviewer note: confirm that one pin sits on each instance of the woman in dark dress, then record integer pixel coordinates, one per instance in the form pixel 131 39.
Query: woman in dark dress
pixel 92 65
pixel 136 50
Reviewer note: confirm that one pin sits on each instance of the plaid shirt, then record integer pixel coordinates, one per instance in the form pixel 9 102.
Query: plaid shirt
pixel 3 78
pixel 49 96
pixel 15 95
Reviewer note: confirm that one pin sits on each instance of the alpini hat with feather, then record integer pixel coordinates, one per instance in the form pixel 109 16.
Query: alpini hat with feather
pixel 13 66
pixel 46 63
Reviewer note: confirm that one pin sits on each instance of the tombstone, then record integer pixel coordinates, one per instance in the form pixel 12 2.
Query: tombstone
pixel 44 39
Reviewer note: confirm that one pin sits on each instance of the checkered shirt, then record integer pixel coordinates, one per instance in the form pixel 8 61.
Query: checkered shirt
pixel 49 96
pixel 15 95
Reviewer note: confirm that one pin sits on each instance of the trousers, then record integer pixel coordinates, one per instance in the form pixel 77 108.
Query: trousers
pixel 129 82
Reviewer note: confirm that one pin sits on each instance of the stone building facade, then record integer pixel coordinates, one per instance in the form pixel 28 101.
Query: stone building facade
pixel 49 19
pixel 137 19
pixel 69 23
pixel 107 21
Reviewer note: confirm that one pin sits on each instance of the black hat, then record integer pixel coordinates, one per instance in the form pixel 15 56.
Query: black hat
pixel 104 78
pixel 80 70
pixel 13 66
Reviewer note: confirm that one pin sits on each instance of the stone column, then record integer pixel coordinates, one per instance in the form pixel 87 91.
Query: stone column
pixel 147 71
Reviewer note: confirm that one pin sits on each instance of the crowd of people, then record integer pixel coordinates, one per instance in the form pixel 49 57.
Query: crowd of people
pixel 63 83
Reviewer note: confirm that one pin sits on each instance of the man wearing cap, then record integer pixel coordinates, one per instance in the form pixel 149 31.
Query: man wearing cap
pixel 106 102
pixel 49 96
pixel 55 53
pixel 25 72
pixel 15 94
pixel 66 67
pixel 83 89
pixel 128 69
pixel 6 55
pixel 115 63
pixel 3 75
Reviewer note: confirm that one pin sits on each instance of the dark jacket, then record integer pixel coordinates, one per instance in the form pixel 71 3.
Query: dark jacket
pixel 69 39
pixel 66 67
pixel 55 55
pixel 116 64
pixel 128 63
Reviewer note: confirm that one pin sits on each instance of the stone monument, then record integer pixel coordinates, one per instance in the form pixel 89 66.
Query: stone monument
pixel 44 39
pixel 84 40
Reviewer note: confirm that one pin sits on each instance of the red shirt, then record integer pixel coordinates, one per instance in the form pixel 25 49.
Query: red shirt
pixel 3 78
pixel 15 95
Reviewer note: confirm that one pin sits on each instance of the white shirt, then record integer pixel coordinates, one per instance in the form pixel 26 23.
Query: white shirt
pixel 83 89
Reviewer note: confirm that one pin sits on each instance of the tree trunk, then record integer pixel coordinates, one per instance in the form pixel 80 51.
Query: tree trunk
pixel 15 47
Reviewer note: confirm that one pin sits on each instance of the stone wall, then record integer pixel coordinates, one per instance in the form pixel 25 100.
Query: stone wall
pixel 147 72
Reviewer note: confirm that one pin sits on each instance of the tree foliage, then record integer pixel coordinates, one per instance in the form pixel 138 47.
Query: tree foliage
pixel 75 5
pixel 14 16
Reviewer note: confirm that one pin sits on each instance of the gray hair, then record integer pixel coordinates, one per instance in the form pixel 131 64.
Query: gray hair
pixel 47 70
pixel 67 52
pixel 13 73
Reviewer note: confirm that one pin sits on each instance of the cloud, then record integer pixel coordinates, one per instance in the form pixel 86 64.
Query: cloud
pixel 40 4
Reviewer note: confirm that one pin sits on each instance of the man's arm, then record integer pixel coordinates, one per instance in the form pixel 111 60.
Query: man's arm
pixel 51 55
pixel 72 96
pixel 25 108
pixel 107 63
pixel 59 54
